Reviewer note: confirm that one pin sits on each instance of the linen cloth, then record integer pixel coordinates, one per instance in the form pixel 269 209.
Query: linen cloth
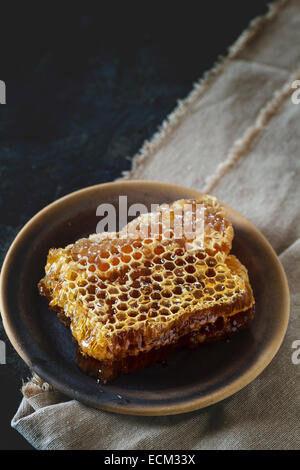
pixel 237 136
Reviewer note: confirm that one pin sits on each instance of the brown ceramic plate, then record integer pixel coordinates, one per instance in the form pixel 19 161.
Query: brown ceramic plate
pixel 192 379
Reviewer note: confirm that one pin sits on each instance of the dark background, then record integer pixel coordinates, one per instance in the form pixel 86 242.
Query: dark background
pixel 83 93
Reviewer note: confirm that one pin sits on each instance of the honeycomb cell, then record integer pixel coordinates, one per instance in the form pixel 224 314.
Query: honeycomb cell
pixel 209 291
pixel 166 293
pixel 124 297
pixel 230 285
pixel 127 249
pixel 111 300
pixel 137 244
pixel 91 289
pixel 190 279
pixel 164 311
pixel 104 266
pixel 122 306
pixel 211 261
pixel 219 287
pixel 125 258
pixel 155 296
pixel 177 290
pixel 198 294
pixel 113 290
pixel 121 316
pixel 169 266
pixel 190 259
pixel 132 313
pixel 153 314
pixel 158 250
pixel 135 293
pixel 180 262
pixel 210 272
pixel 190 269
pixel 175 309
pixel 179 272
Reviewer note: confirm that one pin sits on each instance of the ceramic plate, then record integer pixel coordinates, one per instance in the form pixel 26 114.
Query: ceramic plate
pixel 192 379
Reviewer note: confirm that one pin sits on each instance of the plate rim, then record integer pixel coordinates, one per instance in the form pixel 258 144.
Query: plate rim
pixel 241 381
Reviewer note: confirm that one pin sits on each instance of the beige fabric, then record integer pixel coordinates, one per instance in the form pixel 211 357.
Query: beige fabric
pixel 238 135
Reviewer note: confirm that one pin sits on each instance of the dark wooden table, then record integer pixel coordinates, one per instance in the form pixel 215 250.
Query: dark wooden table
pixel 83 93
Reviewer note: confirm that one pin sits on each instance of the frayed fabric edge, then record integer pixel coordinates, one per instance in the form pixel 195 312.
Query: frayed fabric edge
pixel 183 106
pixel 242 145
pixel 34 386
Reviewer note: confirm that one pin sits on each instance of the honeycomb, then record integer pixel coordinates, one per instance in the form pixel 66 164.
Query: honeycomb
pixel 223 328
pixel 133 296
